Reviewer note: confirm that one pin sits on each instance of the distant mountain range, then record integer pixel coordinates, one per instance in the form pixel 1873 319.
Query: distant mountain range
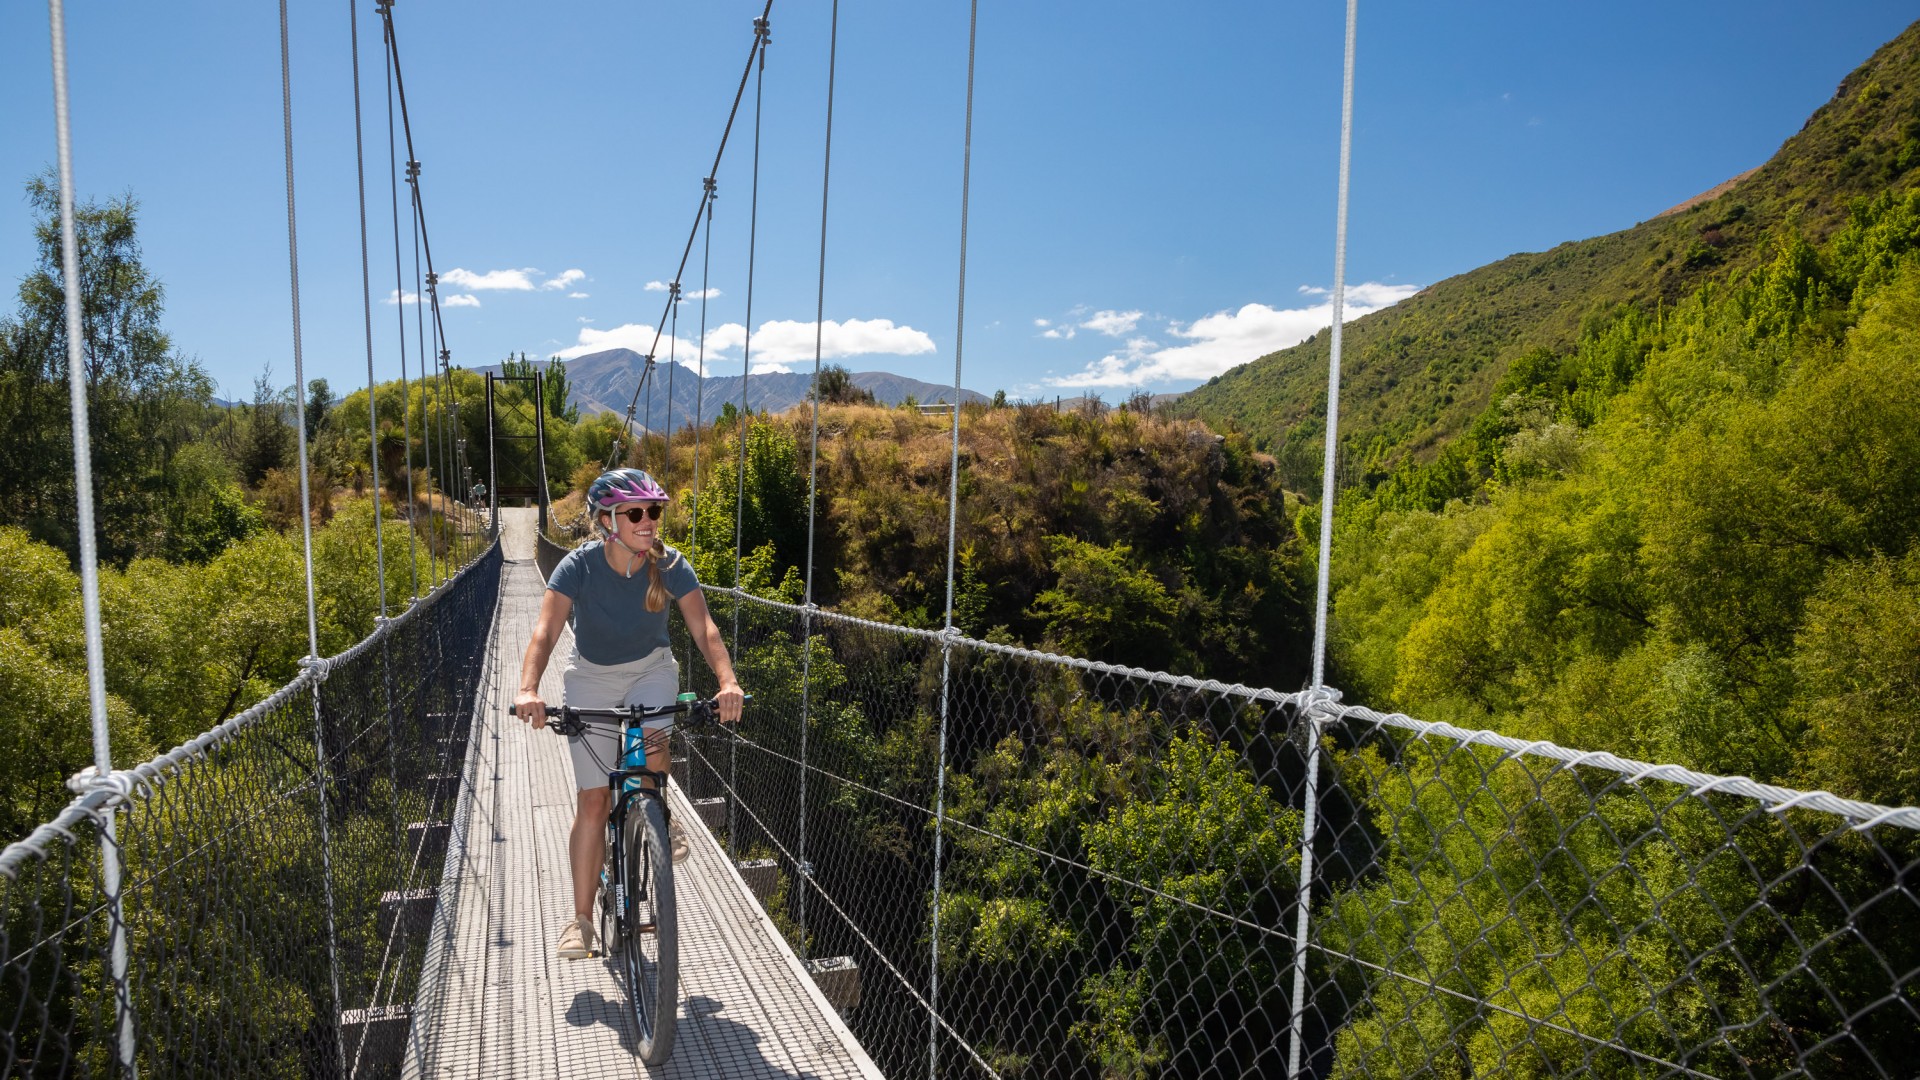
pixel 605 381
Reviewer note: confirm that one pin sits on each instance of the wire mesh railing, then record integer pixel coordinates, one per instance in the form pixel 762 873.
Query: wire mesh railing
pixel 242 923
pixel 1119 882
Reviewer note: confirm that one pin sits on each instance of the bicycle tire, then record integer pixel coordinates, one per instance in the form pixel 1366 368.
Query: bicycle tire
pixel 650 960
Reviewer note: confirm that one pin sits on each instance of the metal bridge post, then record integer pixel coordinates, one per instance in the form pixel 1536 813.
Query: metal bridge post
pixel 493 475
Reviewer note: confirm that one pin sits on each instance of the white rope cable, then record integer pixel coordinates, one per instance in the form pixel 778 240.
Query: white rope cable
pixel 953 519
pixel 306 531
pixel 1316 713
pixel 71 286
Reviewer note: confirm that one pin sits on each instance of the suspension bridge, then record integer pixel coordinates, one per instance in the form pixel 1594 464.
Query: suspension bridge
pixel 925 854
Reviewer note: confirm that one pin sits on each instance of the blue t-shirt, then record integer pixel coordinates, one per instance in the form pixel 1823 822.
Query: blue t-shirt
pixel 611 623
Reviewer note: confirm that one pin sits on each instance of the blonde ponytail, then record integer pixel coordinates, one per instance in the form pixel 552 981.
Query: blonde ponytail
pixel 656 586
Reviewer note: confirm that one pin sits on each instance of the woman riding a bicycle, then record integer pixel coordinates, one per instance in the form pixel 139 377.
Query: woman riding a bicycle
pixel 614 593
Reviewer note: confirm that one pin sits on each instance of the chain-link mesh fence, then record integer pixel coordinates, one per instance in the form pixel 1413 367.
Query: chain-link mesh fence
pixel 277 874
pixel 1116 889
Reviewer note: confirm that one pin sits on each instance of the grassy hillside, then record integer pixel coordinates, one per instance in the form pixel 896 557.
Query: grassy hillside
pixel 1420 372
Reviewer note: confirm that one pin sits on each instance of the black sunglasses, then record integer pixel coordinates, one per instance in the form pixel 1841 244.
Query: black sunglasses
pixel 638 514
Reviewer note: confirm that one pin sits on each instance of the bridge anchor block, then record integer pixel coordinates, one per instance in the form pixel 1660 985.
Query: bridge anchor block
pixel 839 979
pixel 376 1038
pixel 761 875
pixel 712 811
pixel 427 840
pixel 409 910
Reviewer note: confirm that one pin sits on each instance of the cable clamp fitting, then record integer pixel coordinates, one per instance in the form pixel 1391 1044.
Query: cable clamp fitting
pixel 91 779
pixel 320 668
pixel 761 29
pixel 712 190
pixel 806 869
pixel 413 171
pixel 1320 704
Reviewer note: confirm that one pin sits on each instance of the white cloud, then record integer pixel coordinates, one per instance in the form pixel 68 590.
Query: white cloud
pixel 456 300
pixel 1042 323
pixel 584 319
pixel 564 279
pixel 1113 323
pixel 656 286
pixel 1059 333
pixel 702 294
pixel 1226 339
pixel 633 336
pixel 776 344
pixel 515 280
pixel 576 296
pixel 782 341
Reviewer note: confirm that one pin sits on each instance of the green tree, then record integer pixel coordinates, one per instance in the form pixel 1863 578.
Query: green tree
pixel 1103 606
pixel 142 395
pixel 834 386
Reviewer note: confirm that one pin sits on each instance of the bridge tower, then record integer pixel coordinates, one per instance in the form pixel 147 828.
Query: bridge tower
pixel 512 474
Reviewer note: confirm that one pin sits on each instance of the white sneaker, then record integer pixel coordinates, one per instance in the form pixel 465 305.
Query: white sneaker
pixel 576 941
pixel 677 840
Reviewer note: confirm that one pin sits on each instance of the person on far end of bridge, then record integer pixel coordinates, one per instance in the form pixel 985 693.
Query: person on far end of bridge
pixel 614 593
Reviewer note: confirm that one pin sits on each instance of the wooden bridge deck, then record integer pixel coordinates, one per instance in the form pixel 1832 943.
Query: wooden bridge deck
pixel 494 999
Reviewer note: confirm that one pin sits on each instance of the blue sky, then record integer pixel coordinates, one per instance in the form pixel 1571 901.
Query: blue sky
pixel 1152 196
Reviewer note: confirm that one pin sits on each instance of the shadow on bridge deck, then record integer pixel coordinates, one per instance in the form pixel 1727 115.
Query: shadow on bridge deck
pixel 494 999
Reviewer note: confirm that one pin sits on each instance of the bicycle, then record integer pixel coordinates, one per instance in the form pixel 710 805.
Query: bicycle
pixel 637 915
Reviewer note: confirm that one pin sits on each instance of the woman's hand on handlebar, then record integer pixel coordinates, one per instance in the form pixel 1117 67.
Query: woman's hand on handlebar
pixel 528 706
pixel 730 699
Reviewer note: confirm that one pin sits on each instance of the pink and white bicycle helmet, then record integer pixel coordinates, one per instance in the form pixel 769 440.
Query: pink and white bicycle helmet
pixel 616 486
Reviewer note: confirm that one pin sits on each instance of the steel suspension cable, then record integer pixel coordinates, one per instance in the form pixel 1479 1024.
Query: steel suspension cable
pixel 321 781
pixel 813 464
pixel 950 632
pixel 400 309
pixel 762 33
pixel 423 240
pixel 686 252
pixel 71 286
pixel 700 384
pixel 373 426
pixel 420 340
pixel 1315 712
pixel 673 340
pixel 366 307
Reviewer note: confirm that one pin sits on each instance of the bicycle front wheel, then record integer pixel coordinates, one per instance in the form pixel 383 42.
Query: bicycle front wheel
pixel 650 959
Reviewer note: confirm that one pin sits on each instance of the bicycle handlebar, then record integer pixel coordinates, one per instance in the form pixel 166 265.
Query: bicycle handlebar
pixel 570 719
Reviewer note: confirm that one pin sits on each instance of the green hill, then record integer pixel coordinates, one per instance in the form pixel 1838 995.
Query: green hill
pixel 1419 372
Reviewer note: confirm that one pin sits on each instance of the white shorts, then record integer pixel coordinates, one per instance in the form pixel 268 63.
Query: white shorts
pixel 652 681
